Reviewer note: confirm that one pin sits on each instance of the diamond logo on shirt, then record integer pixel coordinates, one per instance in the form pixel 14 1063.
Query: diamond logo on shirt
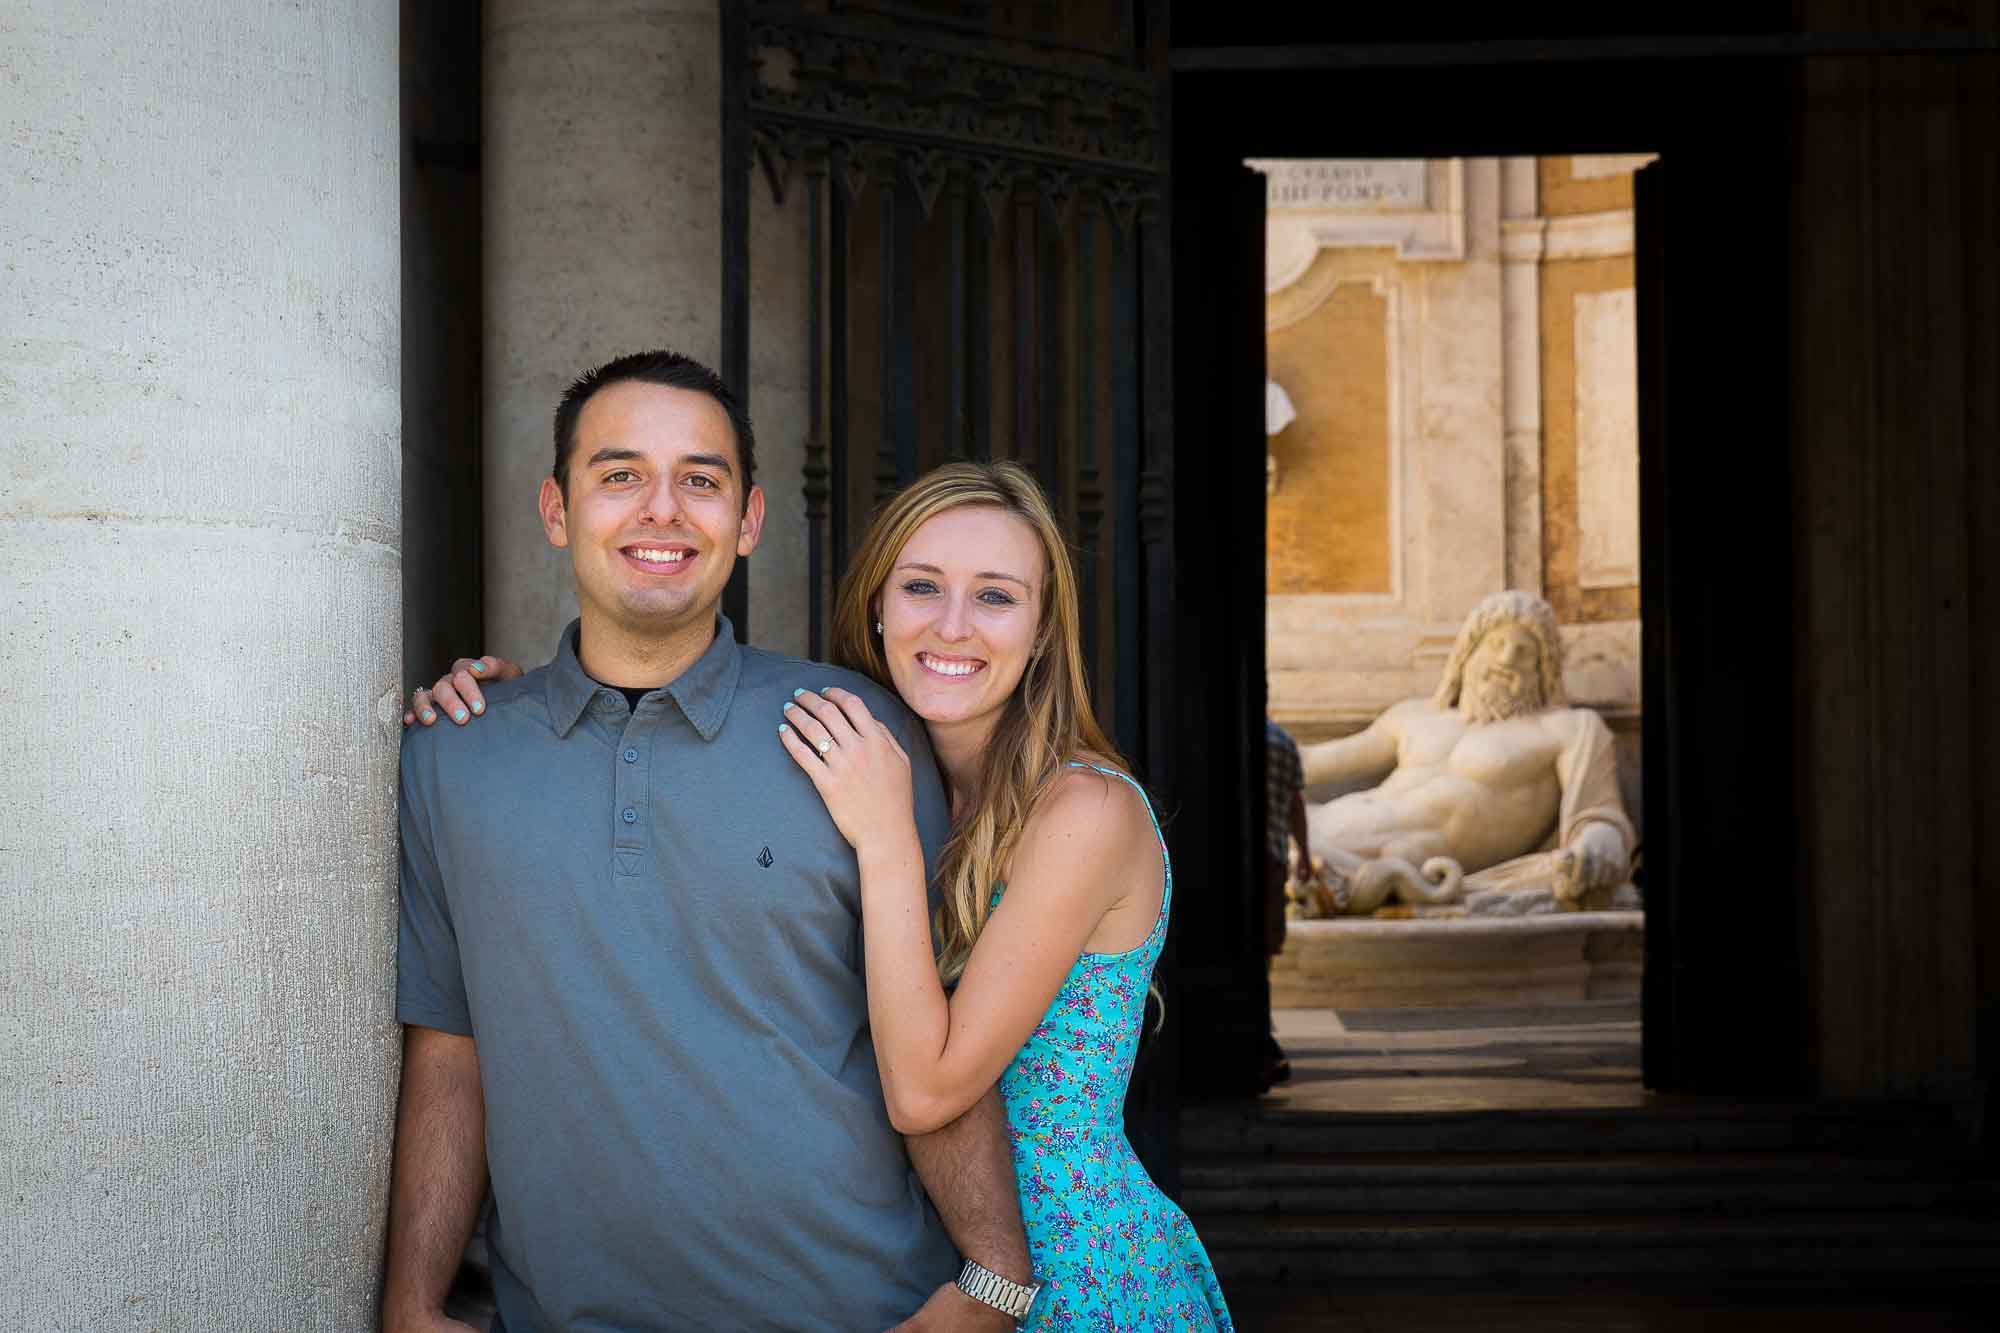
pixel 764 858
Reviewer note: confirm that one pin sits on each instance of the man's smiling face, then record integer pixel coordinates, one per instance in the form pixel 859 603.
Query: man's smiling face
pixel 655 516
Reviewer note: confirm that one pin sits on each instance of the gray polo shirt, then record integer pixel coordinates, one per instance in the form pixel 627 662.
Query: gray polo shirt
pixel 652 927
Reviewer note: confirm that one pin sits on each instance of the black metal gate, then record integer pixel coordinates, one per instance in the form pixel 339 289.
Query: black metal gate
pixel 976 189
pixel 985 192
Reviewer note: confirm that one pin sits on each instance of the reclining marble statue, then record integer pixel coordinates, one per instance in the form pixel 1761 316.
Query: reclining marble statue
pixel 1493 794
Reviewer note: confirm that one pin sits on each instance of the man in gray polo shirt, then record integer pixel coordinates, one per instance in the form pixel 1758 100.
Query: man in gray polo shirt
pixel 630 966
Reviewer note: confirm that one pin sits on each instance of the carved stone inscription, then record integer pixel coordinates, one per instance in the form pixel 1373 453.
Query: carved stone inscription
pixel 1390 184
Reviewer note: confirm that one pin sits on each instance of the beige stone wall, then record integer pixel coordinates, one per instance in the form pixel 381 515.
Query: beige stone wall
pixel 1382 317
pixel 1567 186
pixel 1563 282
pixel 1328 523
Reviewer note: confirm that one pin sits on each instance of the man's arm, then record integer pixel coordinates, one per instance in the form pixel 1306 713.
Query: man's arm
pixel 968 1170
pixel 437 1181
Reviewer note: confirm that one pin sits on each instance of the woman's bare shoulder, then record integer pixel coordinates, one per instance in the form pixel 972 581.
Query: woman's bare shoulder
pixel 1089 812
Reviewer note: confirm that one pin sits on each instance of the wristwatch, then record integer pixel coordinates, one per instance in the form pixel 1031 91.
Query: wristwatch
pixel 989 1288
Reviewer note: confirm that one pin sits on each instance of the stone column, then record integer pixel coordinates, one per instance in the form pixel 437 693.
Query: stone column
pixel 603 185
pixel 199 569
pixel 602 236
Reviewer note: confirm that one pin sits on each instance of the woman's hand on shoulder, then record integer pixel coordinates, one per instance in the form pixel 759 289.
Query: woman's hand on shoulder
pixel 855 762
pixel 456 693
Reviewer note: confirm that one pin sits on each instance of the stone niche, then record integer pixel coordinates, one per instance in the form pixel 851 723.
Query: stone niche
pixel 1456 338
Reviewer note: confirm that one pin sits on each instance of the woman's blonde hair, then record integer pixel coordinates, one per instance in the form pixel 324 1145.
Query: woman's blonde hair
pixel 1046 722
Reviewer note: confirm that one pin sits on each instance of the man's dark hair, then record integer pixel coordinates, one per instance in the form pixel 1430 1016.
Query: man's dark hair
pixel 670 370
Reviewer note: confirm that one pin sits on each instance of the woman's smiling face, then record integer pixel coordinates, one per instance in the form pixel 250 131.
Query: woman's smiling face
pixel 960 612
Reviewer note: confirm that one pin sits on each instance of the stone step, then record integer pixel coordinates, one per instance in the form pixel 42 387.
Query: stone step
pixel 1394 1184
pixel 1663 1127
pixel 1279 1248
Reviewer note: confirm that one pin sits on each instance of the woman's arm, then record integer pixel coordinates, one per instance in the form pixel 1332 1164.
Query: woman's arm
pixel 1071 867
pixel 939 1054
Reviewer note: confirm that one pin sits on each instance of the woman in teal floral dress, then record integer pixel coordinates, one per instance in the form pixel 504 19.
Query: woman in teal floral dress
pixel 963 599
pixel 1119 1253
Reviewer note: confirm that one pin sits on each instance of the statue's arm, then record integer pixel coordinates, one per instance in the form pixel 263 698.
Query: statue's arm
pixel 1596 832
pixel 1368 754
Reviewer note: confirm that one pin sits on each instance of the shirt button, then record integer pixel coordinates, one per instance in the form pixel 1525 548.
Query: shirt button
pixel 630 816
pixel 631 756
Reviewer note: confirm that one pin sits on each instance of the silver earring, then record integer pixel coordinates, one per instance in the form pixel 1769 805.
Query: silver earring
pixel 878 627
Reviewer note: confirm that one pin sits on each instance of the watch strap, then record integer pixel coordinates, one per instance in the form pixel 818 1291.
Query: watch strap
pixel 989 1288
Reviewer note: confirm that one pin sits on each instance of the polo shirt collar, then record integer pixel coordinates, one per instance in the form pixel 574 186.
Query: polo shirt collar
pixel 703 691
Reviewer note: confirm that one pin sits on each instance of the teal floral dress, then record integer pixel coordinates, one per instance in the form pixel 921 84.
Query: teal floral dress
pixel 1112 1251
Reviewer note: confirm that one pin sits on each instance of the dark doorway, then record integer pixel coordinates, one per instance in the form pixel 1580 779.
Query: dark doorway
pixel 1722 961
pixel 1451 418
pixel 442 496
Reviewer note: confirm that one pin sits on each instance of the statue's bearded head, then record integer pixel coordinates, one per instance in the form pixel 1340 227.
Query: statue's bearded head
pixel 1507 661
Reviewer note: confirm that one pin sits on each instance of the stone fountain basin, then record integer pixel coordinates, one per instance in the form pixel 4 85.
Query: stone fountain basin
pixel 1362 963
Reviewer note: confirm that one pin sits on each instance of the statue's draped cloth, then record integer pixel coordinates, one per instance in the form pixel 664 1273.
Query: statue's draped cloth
pixel 1588 771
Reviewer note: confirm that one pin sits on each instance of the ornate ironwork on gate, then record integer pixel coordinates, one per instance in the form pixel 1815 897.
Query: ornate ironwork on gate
pixel 979 180
pixel 929 107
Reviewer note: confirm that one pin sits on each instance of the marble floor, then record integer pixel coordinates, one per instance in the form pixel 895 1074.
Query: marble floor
pixel 1542 1057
